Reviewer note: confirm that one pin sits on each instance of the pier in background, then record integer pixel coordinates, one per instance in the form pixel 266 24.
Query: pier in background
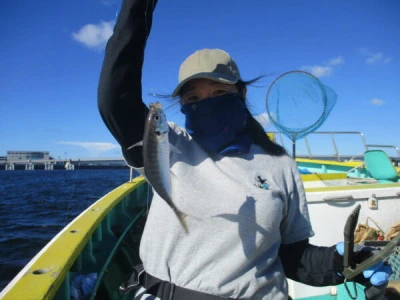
pixel 57 164
pixel 41 160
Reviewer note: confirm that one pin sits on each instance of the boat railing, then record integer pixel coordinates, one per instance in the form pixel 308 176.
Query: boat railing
pixel 332 135
pixel 337 155
pixel 385 146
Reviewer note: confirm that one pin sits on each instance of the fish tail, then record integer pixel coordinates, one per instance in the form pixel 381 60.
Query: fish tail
pixel 181 216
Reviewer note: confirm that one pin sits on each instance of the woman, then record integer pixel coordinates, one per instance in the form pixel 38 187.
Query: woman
pixel 241 193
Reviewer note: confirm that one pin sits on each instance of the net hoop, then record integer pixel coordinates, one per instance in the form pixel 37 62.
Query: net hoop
pixel 290 132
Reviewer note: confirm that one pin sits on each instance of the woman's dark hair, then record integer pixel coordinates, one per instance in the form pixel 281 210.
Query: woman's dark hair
pixel 254 128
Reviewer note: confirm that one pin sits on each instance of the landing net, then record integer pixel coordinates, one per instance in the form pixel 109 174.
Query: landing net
pixel 298 103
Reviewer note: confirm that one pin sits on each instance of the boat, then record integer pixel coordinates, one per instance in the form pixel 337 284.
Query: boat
pixel 96 252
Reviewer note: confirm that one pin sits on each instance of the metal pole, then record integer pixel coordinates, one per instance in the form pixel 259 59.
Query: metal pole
pixel 294 148
pixel 308 147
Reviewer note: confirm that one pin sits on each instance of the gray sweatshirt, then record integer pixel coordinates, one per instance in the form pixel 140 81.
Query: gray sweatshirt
pixel 239 211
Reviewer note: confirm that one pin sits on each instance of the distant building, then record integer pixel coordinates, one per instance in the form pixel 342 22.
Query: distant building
pixel 28 155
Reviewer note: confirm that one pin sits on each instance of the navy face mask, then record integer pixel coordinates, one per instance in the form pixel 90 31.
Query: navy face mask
pixel 218 124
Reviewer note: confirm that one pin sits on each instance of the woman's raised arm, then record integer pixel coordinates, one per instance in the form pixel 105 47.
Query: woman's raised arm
pixel 120 85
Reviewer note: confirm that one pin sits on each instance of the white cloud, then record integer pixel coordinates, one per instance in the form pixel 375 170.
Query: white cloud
pixel 94 35
pixel 325 69
pixel 108 2
pixel 321 71
pixel 95 148
pixel 374 57
pixel 377 102
pixel 387 60
pixel 263 119
pixel 336 61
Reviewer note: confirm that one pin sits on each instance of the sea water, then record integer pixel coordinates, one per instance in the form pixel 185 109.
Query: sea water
pixel 36 205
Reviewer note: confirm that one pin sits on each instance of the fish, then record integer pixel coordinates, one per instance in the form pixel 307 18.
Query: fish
pixel 156 157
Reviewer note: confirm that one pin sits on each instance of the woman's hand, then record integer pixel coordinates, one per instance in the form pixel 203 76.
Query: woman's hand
pixel 375 278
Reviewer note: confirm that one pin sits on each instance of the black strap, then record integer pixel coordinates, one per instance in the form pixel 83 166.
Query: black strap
pixel 134 281
pixel 163 289
pixel 168 291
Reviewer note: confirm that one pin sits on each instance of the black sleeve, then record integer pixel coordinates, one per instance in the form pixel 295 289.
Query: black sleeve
pixel 120 85
pixel 311 265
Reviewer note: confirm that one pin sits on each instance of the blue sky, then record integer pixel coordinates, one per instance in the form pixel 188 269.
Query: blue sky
pixel 52 52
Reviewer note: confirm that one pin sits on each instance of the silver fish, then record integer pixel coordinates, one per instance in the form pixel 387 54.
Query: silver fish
pixel 156 151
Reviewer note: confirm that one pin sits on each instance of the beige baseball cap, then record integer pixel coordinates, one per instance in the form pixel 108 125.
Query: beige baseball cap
pixel 214 64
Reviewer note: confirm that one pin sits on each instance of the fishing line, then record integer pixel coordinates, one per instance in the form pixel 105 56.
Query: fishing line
pixel 145 13
pixel 158 96
pixel 148 3
pixel 148 200
pixel 118 9
pixel 146 25
pixel 72 193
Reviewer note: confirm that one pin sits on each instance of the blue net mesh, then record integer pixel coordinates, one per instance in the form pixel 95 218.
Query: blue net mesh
pixel 394 261
pixel 298 103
